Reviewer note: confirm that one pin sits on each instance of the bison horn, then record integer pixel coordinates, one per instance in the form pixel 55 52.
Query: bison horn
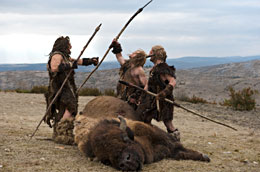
pixel 122 123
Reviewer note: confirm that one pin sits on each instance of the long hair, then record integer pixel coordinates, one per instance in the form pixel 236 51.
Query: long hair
pixel 62 44
pixel 139 59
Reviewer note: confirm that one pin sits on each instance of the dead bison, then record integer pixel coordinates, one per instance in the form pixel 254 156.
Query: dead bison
pixel 108 106
pixel 127 145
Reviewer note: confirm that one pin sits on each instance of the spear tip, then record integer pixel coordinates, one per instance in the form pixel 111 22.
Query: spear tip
pixel 97 29
pixel 147 4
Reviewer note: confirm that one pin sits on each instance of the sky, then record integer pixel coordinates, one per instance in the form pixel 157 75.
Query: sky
pixel 206 28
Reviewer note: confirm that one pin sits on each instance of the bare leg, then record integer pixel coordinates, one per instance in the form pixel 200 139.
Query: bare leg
pixel 172 130
pixel 169 126
pixel 63 131
pixel 66 114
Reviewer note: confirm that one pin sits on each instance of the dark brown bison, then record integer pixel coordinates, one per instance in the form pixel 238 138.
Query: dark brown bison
pixel 127 145
pixel 108 106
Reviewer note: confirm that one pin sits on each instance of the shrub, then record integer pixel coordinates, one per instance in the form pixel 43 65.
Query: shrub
pixel 18 90
pixel 90 92
pixel 196 100
pixel 182 96
pixel 241 100
pixel 8 91
pixel 39 89
pixel 110 92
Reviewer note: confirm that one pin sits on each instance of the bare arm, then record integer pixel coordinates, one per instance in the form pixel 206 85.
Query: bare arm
pixel 142 77
pixel 120 58
pixel 80 61
pixel 171 79
pixel 117 49
pixel 55 62
pixel 169 87
pixel 139 74
pixel 146 86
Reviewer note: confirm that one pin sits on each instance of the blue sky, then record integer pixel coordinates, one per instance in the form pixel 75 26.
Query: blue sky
pixel 185 28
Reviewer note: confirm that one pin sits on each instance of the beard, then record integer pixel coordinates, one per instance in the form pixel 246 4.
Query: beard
pixel 68 52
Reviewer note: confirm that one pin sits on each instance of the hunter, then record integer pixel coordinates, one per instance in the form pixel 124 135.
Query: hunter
pixel 161 81
pixel 131 71
pixel 64 109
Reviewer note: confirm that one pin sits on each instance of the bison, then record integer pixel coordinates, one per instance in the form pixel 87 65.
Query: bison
pixel 126 144
pixel 108 106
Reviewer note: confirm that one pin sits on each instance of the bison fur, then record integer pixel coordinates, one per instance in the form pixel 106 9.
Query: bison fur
pixel 128 148
pixel 108 106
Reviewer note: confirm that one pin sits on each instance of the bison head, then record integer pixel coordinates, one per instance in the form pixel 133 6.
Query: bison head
pixel 130 159
pixel 113 143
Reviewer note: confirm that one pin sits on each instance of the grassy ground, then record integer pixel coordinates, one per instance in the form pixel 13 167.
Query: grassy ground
pixel 229 150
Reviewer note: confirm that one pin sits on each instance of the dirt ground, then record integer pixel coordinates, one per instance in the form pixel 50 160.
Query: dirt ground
pixel 229 150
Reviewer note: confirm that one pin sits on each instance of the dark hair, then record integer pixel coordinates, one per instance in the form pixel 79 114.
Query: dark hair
pixel 62 44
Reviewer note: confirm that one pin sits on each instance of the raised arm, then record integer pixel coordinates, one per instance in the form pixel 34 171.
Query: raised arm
pixel 117 49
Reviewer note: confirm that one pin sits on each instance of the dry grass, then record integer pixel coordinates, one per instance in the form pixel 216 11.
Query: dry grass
pixel 20 114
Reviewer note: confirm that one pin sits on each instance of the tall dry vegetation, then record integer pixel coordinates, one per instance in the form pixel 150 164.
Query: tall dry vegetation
pixel 83 92
pixel 242 100
pixel 182 96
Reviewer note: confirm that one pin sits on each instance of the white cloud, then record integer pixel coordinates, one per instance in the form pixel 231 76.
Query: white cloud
pixel 204 28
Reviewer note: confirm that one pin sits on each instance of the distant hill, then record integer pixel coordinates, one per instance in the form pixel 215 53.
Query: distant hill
pixel 210 82
pixel 42 67
pixel 195 62
pixel 179 63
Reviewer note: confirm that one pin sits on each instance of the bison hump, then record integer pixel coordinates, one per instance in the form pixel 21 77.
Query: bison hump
pixel 108 106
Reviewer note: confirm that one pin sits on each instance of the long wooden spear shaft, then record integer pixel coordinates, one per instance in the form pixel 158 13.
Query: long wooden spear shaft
pixel 175 104
pixel 117 37
pixel 65 80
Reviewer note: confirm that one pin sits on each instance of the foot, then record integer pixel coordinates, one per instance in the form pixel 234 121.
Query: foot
pixel 175 133
pixel 206 158
pixel 63 132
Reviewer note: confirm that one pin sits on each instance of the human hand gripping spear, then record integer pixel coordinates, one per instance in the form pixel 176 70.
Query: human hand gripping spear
pixel 65 80
pixel 174 103
pixel 117 37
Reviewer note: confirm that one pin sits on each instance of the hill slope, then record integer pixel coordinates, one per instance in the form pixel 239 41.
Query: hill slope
pixel 210 83
pixel 229 150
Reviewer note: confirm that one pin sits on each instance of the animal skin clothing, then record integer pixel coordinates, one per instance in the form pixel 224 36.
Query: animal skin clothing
pixel 148 106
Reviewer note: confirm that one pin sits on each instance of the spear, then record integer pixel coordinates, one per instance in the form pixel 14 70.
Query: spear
pixel 65 80
pixel 117 37
pixel 175 104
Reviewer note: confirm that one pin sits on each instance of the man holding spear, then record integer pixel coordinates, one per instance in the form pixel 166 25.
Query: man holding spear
pixel 47 117
pixel 64 109
pixel 161 81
